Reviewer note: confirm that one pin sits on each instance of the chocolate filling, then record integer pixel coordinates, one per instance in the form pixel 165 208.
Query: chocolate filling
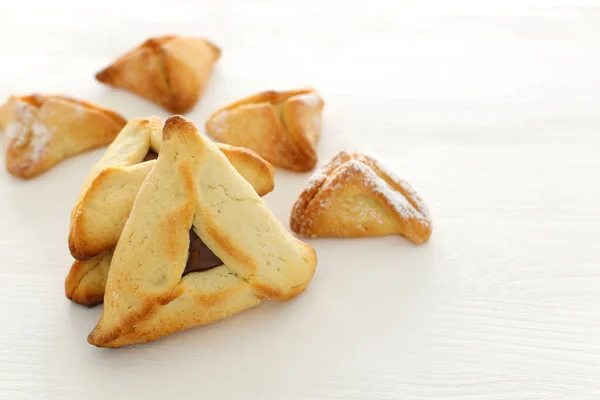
pixel 200 257
pixel 151 155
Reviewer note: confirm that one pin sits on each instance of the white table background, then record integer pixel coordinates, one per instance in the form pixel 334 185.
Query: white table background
pixel 492 112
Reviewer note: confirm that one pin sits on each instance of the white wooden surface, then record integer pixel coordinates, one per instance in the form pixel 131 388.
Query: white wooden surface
pixel 492 112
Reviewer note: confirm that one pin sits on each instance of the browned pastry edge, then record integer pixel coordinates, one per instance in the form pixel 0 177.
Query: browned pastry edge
pixel 165 92
pixel 301 155
pixel 19 160
pixel 372 179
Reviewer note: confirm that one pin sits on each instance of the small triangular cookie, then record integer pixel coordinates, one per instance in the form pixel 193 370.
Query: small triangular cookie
pixel 107 195
pixel 171 71
pixel 194 190
pixel 282 127
pixel 355 195
pixel 39 131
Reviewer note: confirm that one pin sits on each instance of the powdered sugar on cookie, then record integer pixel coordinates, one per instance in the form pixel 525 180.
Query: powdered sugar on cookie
pixel 41 135
pixel 409 192
pixel 11 131
pixel 350 192
pixel 321 175
pixel 27 131
pixel 42 130
pixel 371 180
pixel 15 132
pixel 311 99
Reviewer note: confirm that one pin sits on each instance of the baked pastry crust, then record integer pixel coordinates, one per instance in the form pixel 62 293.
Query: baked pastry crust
pixel 86 280
pixel 356 195
pixel 107 196
pixel 194 185
pixel 282 127
pixel 171 71
pixel 39 131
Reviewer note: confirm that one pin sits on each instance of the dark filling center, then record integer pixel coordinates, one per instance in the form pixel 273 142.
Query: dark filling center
pixel 200 257
pixel 151 155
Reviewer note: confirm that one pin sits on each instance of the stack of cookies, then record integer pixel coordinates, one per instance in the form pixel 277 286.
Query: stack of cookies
pixel 170 230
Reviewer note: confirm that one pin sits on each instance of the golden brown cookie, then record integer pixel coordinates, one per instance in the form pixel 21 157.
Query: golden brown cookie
pixel 39 131
pixel 355 195
pixel 107 196
pixel 171 71
pixel 200 245
pixel 282 127
pixel 86 279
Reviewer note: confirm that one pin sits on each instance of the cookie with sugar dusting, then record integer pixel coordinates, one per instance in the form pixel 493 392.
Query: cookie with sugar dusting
pixel 171 71
pixel 356 195
pixel 282 127
pixel 39 131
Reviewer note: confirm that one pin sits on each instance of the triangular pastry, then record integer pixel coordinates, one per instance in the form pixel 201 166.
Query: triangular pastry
pixel 39 131
pixel 171 71
pixel 86 280
pixel 282 127
pixel 154 285
pixel 107 196
pixel 355 195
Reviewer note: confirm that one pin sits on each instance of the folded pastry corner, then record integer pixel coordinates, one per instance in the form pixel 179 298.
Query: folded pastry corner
pixel 282 127
pixel 39 131
pixel 172 71
pixel 86 280
pixel 107 196
pixel 356 195
pixel 199 245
